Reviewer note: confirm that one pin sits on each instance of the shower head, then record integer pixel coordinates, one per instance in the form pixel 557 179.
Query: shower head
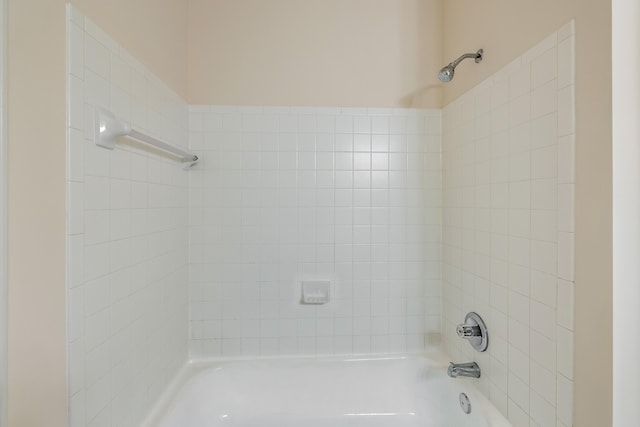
pixel 447 72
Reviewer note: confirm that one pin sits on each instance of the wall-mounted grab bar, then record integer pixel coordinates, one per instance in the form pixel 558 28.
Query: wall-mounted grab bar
pixel 108 129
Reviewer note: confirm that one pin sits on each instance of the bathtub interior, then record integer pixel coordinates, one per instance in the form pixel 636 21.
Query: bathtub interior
pixel 399 391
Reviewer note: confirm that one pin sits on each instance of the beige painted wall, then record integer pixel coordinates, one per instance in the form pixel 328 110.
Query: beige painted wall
pixel 153 31
pixel 505 29
pixel 3 217
pixel 379 53
pixel 36 213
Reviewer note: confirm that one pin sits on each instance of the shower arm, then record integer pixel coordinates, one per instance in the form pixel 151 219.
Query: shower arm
pixel 477 56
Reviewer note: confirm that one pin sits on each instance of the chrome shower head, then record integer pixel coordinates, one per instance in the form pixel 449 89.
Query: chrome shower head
pixel 447 72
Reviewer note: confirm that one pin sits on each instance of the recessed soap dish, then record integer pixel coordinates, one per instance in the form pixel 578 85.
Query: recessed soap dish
pixel 315 292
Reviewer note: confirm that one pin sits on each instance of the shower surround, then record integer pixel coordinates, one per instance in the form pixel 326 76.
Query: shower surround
pixel 289 194
pixel 127 237
pixel 412 225
pixel 508 230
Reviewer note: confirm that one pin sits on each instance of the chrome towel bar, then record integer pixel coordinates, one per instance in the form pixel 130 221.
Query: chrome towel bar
pixel 108 129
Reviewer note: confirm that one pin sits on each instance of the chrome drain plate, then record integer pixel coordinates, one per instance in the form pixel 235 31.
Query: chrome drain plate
pixel 465 404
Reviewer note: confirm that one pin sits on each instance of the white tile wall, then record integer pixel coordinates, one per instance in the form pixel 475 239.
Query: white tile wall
pixel 127 237
pixel 508 231
pixel 287 194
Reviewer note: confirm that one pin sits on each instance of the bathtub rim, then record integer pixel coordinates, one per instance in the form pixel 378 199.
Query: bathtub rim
pixel 436 360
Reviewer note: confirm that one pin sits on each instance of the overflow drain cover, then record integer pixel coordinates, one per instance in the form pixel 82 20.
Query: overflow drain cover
pixel 465 404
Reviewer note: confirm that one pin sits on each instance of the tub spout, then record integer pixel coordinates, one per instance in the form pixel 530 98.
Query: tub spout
pixel 470 369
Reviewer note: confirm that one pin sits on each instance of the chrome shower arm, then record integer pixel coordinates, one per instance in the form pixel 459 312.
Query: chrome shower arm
pixel 446 73
pixel 477 56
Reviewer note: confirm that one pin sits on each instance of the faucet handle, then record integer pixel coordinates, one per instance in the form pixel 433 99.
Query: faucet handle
pixel 474 330
pixel 465 331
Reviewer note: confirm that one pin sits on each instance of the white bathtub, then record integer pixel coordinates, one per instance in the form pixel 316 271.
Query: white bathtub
pixel 327 392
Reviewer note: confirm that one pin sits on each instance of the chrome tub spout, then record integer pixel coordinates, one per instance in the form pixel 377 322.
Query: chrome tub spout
pixel 470 369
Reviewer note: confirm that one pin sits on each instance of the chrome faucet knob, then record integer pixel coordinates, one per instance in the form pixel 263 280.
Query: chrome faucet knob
pixel 475 331
pixel 465 331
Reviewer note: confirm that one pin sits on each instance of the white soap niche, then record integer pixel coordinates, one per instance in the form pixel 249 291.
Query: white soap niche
pixel 315 291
